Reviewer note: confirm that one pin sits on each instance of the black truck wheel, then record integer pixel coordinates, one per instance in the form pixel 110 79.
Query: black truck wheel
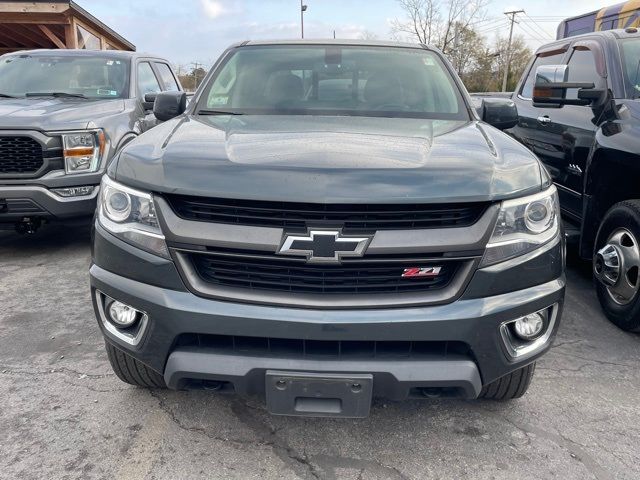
pixel 130 370
pixel 511 386
pixel 616 265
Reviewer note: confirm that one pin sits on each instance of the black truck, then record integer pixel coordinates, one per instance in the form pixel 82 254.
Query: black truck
pixel 579 112
pixel 323 223
pixel 63 115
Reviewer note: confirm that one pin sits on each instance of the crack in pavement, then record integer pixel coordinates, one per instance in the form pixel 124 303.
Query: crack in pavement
pixel 202 431
pixel 12 371
pixel 566 342
pixel 575 449
pixel 331 463
pixel 269 436
pixel 596 361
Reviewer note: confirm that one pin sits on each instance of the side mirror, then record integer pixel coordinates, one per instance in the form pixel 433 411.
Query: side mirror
pixel 169 105
pixel 501 113
pixel 551 85
pixel 149 100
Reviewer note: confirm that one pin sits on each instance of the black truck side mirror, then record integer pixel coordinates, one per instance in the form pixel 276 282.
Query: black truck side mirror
pixel 551 85
pixel 169 105
pixel 501 113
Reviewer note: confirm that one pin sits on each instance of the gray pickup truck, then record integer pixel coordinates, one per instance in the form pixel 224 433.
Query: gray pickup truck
pixel 63 115
pixel 323 223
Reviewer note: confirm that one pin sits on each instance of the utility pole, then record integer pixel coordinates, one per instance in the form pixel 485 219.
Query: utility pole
pixel 196 66
pixel 303 8
pixel 512 14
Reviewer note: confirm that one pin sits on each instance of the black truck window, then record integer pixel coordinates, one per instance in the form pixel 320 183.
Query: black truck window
pixel 582 68
pixel 527 87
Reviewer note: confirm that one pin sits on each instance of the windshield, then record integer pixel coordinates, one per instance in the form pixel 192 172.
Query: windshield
pixel 93 77
pixel 631 60
pixel 334 80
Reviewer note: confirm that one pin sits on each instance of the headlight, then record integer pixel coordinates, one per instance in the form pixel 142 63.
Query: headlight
pixel 131 215
pixel 83 151
pixel 523 225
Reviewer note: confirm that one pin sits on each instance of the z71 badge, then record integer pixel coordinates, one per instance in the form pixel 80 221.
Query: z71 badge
pixel 421 272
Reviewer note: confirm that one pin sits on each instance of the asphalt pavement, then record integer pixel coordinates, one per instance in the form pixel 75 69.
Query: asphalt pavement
pixel 65 415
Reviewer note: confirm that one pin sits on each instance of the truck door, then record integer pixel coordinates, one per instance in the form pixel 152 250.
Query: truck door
pixel 573 129
pixel 563 136
pixel 534 127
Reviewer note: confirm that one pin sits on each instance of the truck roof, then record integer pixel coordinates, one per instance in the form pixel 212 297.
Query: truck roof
pixel 609 35
pixel 85 53
pixel 362 43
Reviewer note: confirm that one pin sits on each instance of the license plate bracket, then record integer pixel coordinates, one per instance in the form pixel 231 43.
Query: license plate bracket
pixel 318 394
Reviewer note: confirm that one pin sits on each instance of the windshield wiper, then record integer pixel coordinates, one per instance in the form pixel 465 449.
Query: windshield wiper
pixel 55 94
pixel 4 95
pixel 217 112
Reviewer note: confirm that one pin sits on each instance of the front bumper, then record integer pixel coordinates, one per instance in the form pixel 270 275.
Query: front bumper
pixel 20 201
pixel 474 320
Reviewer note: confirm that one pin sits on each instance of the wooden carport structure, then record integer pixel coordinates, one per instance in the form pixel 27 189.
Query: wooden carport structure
pixel 54 24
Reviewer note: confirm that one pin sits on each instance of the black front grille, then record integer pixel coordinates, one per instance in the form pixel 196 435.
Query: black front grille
pixel 348 216
pixel 20 155
pixel 305 348
pixel 362 276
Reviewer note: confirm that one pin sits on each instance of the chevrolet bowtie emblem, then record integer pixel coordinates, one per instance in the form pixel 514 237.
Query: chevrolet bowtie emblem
pixel 324 246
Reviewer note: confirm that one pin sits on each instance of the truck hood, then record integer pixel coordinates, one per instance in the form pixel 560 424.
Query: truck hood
pixel 329 160
pixel 46 113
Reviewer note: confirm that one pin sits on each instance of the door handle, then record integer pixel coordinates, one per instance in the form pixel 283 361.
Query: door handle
pixel 544 120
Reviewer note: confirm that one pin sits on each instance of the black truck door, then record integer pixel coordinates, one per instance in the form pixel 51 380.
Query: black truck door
pixel 534 127
pixel 562 137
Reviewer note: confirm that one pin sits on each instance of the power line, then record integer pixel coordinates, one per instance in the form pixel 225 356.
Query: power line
pixel 487 21
pixel 491 29
pixel 530 31
pixel 537 25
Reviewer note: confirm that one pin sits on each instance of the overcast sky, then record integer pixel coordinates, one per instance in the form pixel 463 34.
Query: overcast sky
pixel 187 31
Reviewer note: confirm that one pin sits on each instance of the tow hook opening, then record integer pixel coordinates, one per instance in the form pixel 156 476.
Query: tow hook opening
pixel 206 384
pixel 436 392
pixel 28 225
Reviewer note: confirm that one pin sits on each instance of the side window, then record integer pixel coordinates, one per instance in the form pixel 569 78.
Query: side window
pixel 147 81
pixel 582 68
pixel 527 87
pixel 167 77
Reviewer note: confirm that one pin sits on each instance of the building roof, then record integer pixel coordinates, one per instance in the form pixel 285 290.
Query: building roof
pixel 53 23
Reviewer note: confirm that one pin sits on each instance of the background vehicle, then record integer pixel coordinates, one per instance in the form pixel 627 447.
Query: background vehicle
pixel 623 15
pixel 329 221
pixel 63 114
pixel 589 140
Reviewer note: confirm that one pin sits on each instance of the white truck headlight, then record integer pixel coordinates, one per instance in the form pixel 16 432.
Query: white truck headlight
pixel 523 225
pixel 83 151
pixel 131 215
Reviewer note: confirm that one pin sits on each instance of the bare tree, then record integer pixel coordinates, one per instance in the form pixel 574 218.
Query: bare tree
pixel 438 22
pixel 423 19
pixel 367 35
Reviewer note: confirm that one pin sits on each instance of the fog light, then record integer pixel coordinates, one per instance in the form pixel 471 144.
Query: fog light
pixel 122 315
pixel 529 327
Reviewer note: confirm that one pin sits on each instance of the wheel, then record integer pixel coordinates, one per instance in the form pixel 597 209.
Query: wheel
pixel 616 265
pixel 511 386
pixel 130 370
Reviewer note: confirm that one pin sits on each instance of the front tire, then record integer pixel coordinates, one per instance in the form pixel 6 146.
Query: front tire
pixel 131 371
pixel 511 386
pixel 616 265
